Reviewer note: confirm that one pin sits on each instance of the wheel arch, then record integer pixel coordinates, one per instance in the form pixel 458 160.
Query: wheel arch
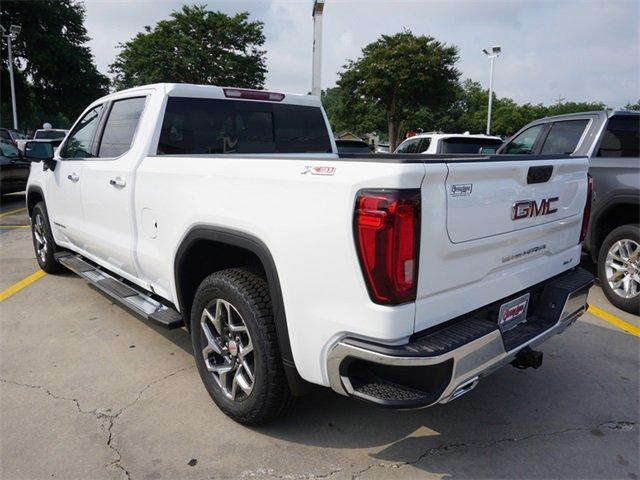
pixel 206 249
pixel 34 195
pixel 618 211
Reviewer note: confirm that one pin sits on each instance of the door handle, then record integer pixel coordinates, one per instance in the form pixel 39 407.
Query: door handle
pixel 73 177
pixel 117 182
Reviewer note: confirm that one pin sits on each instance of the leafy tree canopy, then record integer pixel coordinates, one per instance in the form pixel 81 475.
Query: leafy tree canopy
pixel 467 112
pixel 195 46
pixel 55 74
pixel 398 74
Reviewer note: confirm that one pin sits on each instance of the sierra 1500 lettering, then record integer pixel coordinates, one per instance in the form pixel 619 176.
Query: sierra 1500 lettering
pixel 228 212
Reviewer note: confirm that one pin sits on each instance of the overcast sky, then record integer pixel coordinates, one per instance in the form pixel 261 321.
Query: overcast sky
pixel 575 50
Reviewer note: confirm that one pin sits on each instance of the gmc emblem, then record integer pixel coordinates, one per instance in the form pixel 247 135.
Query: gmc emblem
pixel 531 208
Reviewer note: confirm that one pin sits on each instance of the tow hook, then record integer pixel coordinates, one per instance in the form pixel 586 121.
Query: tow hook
pixel 526 358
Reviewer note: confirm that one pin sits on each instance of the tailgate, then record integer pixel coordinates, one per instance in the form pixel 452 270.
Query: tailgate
pixel 490 229
pixel 495 198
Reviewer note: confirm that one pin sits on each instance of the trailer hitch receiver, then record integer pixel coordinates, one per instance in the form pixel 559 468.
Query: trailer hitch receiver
pixel 526 358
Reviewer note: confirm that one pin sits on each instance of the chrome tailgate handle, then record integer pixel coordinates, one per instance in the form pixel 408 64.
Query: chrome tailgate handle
pixel 73 177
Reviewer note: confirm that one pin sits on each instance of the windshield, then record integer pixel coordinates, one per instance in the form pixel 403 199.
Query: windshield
pixel 468 145
pixel 49 134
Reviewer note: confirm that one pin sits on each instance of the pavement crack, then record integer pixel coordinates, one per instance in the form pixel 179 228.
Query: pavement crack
pixel 106 417
pixel 446 448
pixel 48 392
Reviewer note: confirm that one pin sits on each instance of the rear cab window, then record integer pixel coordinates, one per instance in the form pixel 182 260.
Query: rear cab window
pixel 621 137
pixel 467 145
pixel 216 126
pixel 48 134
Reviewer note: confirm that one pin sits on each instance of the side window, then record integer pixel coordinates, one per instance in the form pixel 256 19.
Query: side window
pixel 424 145
pixel 121 126
pixel 409 146
pixel 621 138
pixel 80 142
pixel 563 137
pixel 523 143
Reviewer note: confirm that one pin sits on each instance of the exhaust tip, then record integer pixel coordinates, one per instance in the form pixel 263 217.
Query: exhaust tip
pixel 466 387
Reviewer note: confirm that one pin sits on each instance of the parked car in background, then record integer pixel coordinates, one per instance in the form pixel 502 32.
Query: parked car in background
pixel 50 134
pixel 611 141
pixel 11 135
pixel 14 170
pixel 432 143
pixel 382 148
pixel 353 146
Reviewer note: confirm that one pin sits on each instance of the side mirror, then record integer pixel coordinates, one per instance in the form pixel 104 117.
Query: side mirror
pixel 40 152
pixel 487 150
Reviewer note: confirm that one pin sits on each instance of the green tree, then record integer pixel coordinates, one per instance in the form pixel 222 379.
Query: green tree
pixel 633 106
pixel 358 117
pixel 194 46
pixel 399 74
pixel 55 74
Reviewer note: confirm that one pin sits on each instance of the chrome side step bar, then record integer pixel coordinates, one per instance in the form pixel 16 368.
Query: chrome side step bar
pixel 129 297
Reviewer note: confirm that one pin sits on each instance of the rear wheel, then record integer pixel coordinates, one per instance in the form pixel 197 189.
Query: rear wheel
pixel 235 346
pixel 43 243
pixel 619 268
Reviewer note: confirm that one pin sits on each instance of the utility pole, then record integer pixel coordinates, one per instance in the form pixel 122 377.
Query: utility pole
pixel 316 75
pixel 14 30
pixel 493 54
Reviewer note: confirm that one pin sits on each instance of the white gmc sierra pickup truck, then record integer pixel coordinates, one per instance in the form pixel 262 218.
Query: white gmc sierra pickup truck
pixel 400 280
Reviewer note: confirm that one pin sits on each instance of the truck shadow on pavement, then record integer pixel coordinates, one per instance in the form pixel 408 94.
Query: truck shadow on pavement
pixel 575 417
pixel 543 423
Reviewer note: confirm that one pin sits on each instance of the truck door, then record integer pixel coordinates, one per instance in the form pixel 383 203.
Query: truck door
pixel 63 185
pixel 107 187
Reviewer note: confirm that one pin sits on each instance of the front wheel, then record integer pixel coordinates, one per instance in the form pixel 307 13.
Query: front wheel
pixel 43 243
pixel 619 268
pixel 235 346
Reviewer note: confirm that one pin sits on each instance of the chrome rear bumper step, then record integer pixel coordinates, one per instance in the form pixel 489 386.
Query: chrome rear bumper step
pixel 441 365
pixel 135 300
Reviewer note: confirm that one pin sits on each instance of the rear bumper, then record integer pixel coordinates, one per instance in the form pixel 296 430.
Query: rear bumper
pixel 442 364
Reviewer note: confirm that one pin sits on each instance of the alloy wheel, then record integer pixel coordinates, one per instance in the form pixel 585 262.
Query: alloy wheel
pixel 228 349
pixel 622 268
pixel 42 246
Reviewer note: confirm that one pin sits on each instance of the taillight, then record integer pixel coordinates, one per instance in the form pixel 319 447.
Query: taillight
pixel 253 94
pixel 587 209
pixel 387 231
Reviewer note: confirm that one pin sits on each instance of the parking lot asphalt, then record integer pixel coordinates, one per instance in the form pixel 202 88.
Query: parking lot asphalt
pixel 88 391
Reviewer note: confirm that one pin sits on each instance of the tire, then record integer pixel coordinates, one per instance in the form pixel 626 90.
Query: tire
pixel 236 299
pixel 43 243
pixel 621 248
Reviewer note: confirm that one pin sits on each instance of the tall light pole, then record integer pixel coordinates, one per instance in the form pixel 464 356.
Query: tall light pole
pixel 316 74
pixel 14 30
pixel 493 54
